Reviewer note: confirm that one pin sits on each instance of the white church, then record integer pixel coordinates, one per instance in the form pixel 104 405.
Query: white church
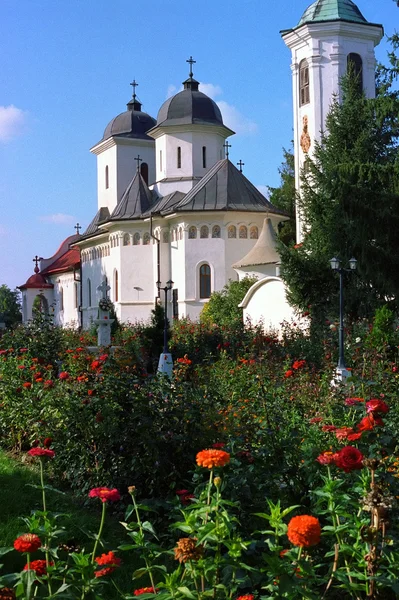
pixel 173 208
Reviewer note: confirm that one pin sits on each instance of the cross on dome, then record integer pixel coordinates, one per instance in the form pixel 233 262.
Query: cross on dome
pixel 192 62
pixel 78 227
pixel 134 85
pixel 36 260
pixel 226 147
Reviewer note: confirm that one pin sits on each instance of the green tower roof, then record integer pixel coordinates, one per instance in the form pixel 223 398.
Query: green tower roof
pixel 332 10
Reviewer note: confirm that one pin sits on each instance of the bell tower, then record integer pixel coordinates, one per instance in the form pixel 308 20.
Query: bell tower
pixel 330 35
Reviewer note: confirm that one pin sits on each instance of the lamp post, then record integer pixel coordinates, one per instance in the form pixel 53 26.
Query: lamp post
pixel 342 372
pixel 165 364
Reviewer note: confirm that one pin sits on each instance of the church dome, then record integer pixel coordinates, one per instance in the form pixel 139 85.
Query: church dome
pixel 133 123
pixel 189 107
pixel 332 10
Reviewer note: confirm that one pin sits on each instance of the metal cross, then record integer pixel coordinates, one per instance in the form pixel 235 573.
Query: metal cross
pixel 226 146
pixel 134 85
pixel 78 227
pixel 191 62
pixel 36 260
pixel 104 288
pixel 138 160
pixel 241 165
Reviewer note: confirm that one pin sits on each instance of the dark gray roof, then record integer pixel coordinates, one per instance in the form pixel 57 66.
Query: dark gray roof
pixel 131 124
pixel 102 216
pixel 136 200
pixel 164 203
pixel 188 107
pixel 224 188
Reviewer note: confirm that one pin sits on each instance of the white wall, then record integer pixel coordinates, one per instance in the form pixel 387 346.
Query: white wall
pixel 69 316
pixel 265 303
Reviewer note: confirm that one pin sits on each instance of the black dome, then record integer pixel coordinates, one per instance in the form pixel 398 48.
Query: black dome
pixel 131 124
pixel 188 107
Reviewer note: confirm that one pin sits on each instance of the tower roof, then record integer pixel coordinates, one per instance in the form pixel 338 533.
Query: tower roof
pixel 136 200
pixel 332 10
pixel 102 216
pixel 264 252
pixel 225 188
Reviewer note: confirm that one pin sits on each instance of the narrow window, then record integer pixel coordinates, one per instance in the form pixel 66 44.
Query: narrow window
pixel 88 293
pixel 304 92
pixel 232 232
pixel 243 232
pixel 146 239
pixel 116 287
pixel 253 233
pixel 76 295
pixel 204 157
pixel 144 172
pixel 192 232
pixel 178 157
pixel 204 232
pixel 61 299
pixel 175 306
pixel 165 237
pixel 126 239
pixel 355 65
pixel 216 231
pixel 136 239
pixel 205 281
pixel 160 160
pixel 106 178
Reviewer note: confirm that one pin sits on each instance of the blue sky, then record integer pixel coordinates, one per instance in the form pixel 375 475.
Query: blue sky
pixel 65 73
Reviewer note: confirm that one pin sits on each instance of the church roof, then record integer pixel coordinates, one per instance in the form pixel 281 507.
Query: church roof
pixel 189 107
pixel 264 252
pixel 102 216
pixel 164 203
pixel 68 261
pixel 224 187
pixel 36 281
pixel 332 10
pixel 136 200
pixel 133 123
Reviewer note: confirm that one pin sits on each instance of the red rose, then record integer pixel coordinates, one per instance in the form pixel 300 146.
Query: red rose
pixel 298 364
pixel 145 590
pixel 27 385
pixel 328 428
pixel 48 383
pixel 288 373
pixel 28 542
pixel 377 407
pixel 105 494
pixel 342 433
pixel 47 442
pixel 41 452
pixel 95 364
pixel 368 423
pixel 63 375
pixel 349 459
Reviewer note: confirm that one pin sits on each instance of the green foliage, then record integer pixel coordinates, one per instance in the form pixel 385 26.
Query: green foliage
pixel 350 203
pixel 383 333
pixel 284 197
pixel 10 306
pixel 222 308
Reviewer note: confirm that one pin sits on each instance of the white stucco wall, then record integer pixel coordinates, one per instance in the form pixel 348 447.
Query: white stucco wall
pixel 265 303
pixel 66 296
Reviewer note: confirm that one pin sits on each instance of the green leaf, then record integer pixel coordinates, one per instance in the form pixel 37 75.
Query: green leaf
pixel 186 592
pixel 4 551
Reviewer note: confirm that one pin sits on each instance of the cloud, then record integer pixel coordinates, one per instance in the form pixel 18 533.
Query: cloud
pixel 58 219
pixel 172 89
pixel 235 120
pixel 213 91
pixel 12 122
pixel 263 190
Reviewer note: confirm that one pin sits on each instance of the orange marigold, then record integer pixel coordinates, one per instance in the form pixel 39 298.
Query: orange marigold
pixel 212 458
pixel 187 549
pixel 304 531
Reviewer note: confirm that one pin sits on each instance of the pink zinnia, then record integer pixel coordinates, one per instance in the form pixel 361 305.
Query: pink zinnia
pixel 105 494
pixel 41 452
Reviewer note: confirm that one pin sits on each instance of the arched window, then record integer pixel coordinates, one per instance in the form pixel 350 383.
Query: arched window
pixel 88 293
pixel 243 232
pixel 165 237
pixel 76 290
pixel 216 231
pixel 61 293
pixel 204 157
pixel 232 232
pixel 204 232
pixel 192 233
pixel 304 92
pixel 180 233
pixel 136 239
pixel 146 239
pixel 126 239
pixel 253 233
pixel 116 287
pixel 106 177
pixel 178 157
pixel 355 64
pixel 160 160
pixel 205 281
pixel 144 172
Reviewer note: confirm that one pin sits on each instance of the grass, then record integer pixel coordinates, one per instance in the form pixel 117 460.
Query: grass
pixel 18 499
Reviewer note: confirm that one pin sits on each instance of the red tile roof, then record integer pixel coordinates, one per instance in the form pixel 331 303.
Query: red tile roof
pixel 36 281
pixel 67 262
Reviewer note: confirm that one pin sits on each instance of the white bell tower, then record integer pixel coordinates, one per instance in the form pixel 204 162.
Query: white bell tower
pixel 330 34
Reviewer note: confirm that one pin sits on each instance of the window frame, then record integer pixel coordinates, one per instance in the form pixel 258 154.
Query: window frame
pixel 304 83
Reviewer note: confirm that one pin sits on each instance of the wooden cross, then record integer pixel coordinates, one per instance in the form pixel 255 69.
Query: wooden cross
pixel 191 62
pixel 134 85
pixel 241 165
pixel 104 288
pixel 78 227
pixel 226 146
pixel 138 160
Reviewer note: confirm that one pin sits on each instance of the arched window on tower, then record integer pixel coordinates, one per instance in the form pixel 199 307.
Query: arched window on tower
pixel 146 239
pixel 126 239
pixel 144 172
pixel 304 91
pixel 205 281
pixel 136 239
pixel 355 64
pixel 192 232
pixel 116 286
pixel 179 157
pixel 204 157
pixel 106 177
pixel 232 232
pixel 243 232
pixel 216 231
pixel 253 233
pixel 204 232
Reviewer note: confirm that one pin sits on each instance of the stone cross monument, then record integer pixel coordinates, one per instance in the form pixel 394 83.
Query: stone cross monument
pixel 104 322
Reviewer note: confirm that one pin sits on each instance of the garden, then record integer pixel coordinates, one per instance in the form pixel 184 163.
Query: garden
pixel 246 476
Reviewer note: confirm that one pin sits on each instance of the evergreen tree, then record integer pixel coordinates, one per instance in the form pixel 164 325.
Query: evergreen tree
pixel 350 207
pixel 284 196
pixel 10 306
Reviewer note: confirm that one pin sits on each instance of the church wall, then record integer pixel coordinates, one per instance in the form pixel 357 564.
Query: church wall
pixel 106 196
pixel 28 298
pixel 137 270
pixel 66 300
pixel 266 304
